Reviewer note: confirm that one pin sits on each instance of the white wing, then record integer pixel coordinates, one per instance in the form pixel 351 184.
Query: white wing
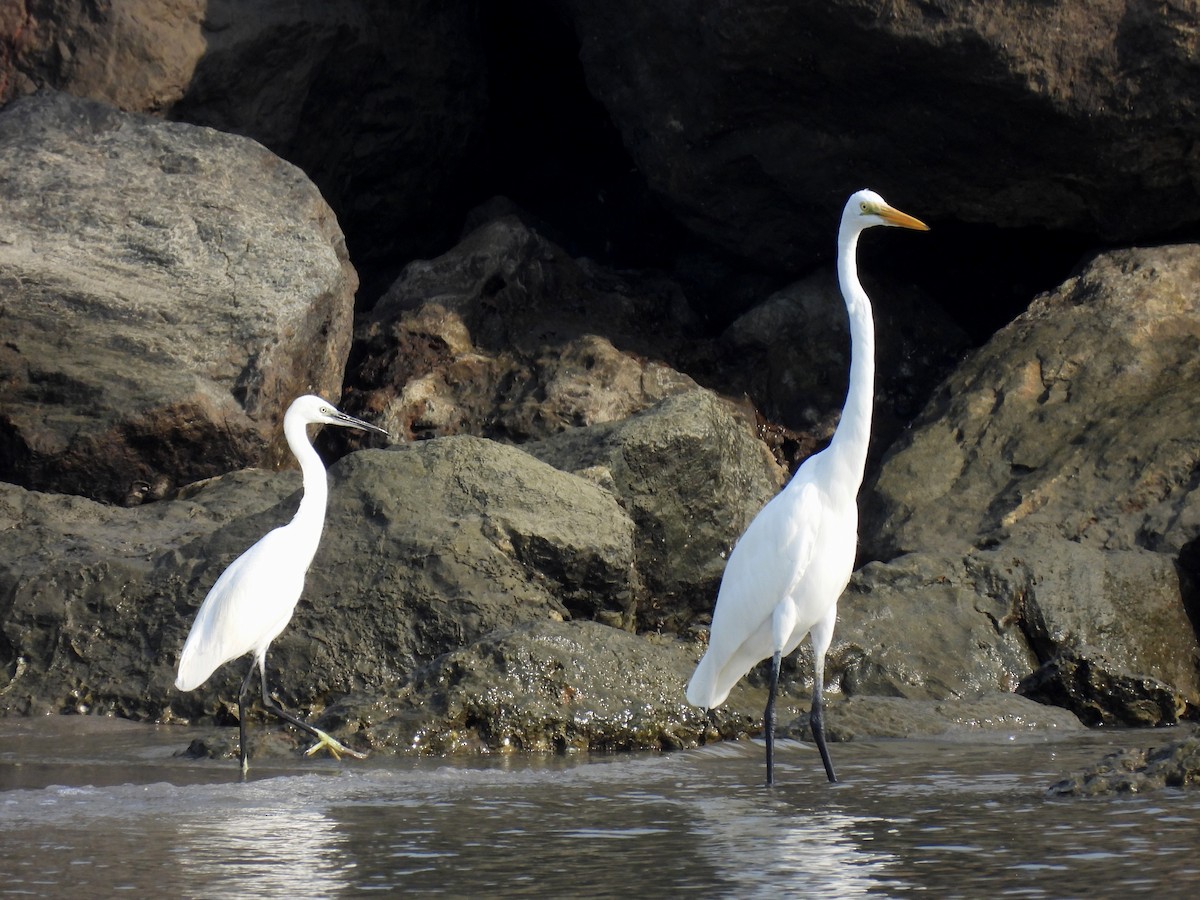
pixel 765 567
pixel 248 606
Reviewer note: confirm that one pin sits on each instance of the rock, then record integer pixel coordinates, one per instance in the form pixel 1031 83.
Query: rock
pixel 159 315
pixel 1175 765
pixel 1116 642
pixel 95 600
pixel 139 56
pixel 1061 447
pixel 748 119
pixel 426 547
pixel 1101 634
pixel 545 686
pixel 924 627
pixel 868 717
pixel 500 337
pixel 691 475
pixel 382 105
pixel 1070 422
pixel 1086 682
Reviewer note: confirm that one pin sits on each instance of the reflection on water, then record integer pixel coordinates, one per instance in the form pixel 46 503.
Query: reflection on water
pixel 284 851
pixel 108 812
pixel 748 840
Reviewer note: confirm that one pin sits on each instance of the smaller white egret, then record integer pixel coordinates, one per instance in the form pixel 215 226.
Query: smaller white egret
pixel 253 600
pixel 785 574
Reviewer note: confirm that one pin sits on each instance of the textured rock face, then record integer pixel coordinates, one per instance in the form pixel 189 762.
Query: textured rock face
pixel 425 548
pixel 746 117
pixel 393 93
pixel 691 476
pixel 1058 447
pixel 1068 423
pixel 1175 764
pixel 498 337
pixel 135 55
pixel 167 291
pixel 544 687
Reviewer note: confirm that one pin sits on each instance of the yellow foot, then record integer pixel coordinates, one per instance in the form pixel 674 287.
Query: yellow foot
pixel 335 747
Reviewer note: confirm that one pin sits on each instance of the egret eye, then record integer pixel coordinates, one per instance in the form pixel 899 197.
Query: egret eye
pixel 326 411
pixel 863 206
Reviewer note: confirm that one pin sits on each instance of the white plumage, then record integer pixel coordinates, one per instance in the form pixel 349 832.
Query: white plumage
pixel 253 600
pixel 789 567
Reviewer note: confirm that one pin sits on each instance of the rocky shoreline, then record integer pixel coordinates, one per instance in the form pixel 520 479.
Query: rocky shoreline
pixel 580 434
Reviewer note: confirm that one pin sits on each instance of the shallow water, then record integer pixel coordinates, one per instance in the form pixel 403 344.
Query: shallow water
pixel 94 807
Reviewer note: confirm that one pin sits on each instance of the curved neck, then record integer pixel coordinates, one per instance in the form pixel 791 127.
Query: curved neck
pixel 310 517
pixel 853 434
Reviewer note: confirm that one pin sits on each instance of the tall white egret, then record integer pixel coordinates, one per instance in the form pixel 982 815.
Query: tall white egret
pixel 253 600
pixel 785 574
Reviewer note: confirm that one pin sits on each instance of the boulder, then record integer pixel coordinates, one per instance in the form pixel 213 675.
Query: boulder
pixel 1062 452
pixel 691 474
pixel 168 290
pixel 506 336
pixel 381 104
pixel 754 121
pixel 925 627
pixel 1072 422
pixel 425 548
pixel 1086 682
pixel 138 56
pixel 545 686
pixel 1115 640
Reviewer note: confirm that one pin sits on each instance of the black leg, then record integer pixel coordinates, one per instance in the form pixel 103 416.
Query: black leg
pixel 279 712
pixel 323 740
pixel 816 721
pixel 769 720
pixel 243 747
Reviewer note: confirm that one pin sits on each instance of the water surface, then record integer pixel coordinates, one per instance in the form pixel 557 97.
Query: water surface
pixel 94 807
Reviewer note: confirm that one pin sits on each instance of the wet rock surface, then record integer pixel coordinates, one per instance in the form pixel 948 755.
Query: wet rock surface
pixel 1175 764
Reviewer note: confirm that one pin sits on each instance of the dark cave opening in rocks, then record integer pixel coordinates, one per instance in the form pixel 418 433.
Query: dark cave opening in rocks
pixel 981 276
pixel 553 150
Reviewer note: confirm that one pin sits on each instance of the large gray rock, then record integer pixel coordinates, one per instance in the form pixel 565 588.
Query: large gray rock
pixel 749 117
pixel 926 627
pixel 547 686
pixel 426 547
pixel 1103 634
pixel 382 104
pixel 1121 613
pixel 1065 446
pixel 1075 421
pixel 168 290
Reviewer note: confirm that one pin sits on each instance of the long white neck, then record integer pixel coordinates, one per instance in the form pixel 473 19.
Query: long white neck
pixel 310 517
pixel 853 435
